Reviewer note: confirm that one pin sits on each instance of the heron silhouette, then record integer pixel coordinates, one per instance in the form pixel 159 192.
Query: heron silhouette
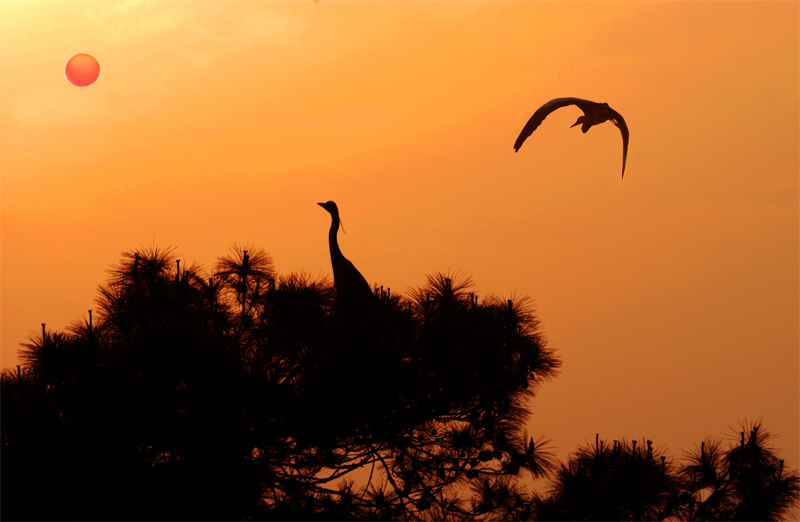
pixel 354 292
pixel 593 114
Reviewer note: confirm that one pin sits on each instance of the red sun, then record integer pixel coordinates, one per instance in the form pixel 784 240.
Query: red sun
pixel 82 70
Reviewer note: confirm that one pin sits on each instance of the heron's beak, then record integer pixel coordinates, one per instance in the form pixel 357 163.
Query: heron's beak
pixel 576 123
pixel 321 204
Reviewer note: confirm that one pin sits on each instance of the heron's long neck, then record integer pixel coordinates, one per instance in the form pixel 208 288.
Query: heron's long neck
pixel 333 243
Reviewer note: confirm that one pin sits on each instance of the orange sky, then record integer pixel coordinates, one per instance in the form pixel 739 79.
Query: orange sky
pixel 673 298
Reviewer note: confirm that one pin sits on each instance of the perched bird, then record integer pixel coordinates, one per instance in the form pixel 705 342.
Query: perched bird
pixel 354 292
pixel 593 114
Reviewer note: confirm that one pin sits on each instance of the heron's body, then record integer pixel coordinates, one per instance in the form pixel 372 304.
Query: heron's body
pixel 593 114
pixel 353 290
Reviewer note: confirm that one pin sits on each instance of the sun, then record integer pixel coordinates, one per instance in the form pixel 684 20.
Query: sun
pixel 82 70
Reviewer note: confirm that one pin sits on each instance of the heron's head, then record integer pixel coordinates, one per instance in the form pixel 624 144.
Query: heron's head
pixel 330 206
pixel 580 120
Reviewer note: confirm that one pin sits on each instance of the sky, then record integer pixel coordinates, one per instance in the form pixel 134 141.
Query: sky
pixel 672 297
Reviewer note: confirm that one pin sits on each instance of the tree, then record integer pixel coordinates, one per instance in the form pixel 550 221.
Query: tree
pixel 746 481
pixel 617 481
pixel 245 394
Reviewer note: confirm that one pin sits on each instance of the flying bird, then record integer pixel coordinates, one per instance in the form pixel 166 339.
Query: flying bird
pixel 354 292
pixel 593 114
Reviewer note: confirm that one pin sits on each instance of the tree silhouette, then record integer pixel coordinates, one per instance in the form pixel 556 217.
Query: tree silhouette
pixel 616 481
pixel 745 481
pixel 246 275
pixel 245 394
pixel 620 481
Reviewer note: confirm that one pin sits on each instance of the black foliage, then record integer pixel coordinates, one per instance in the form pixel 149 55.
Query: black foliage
pixel 742 480
pixel 619 480
pixel 244 394
pixel 622 481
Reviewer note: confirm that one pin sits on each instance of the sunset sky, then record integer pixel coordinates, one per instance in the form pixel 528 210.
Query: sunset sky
pixel 673 297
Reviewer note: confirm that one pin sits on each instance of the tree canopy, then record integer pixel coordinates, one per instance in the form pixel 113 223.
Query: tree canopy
pixel 250 394
pixel 246 394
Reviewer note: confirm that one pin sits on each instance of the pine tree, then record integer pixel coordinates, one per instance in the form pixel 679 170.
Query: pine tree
pixel 247 394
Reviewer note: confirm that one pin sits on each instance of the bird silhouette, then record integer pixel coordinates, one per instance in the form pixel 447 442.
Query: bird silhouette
pixel 593 114
pixel 354 292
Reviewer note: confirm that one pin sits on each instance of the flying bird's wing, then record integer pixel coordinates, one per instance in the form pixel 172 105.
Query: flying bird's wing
pixel 542 113
pixel 623 129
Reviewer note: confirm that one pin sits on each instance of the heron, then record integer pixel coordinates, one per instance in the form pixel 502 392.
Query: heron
pixel 353 290
pixel 593 114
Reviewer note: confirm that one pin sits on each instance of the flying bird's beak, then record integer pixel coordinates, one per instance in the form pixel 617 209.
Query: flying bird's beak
pixel 321 205
pixel 576 123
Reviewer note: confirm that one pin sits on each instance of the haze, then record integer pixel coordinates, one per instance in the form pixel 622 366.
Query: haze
pixel 672 297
